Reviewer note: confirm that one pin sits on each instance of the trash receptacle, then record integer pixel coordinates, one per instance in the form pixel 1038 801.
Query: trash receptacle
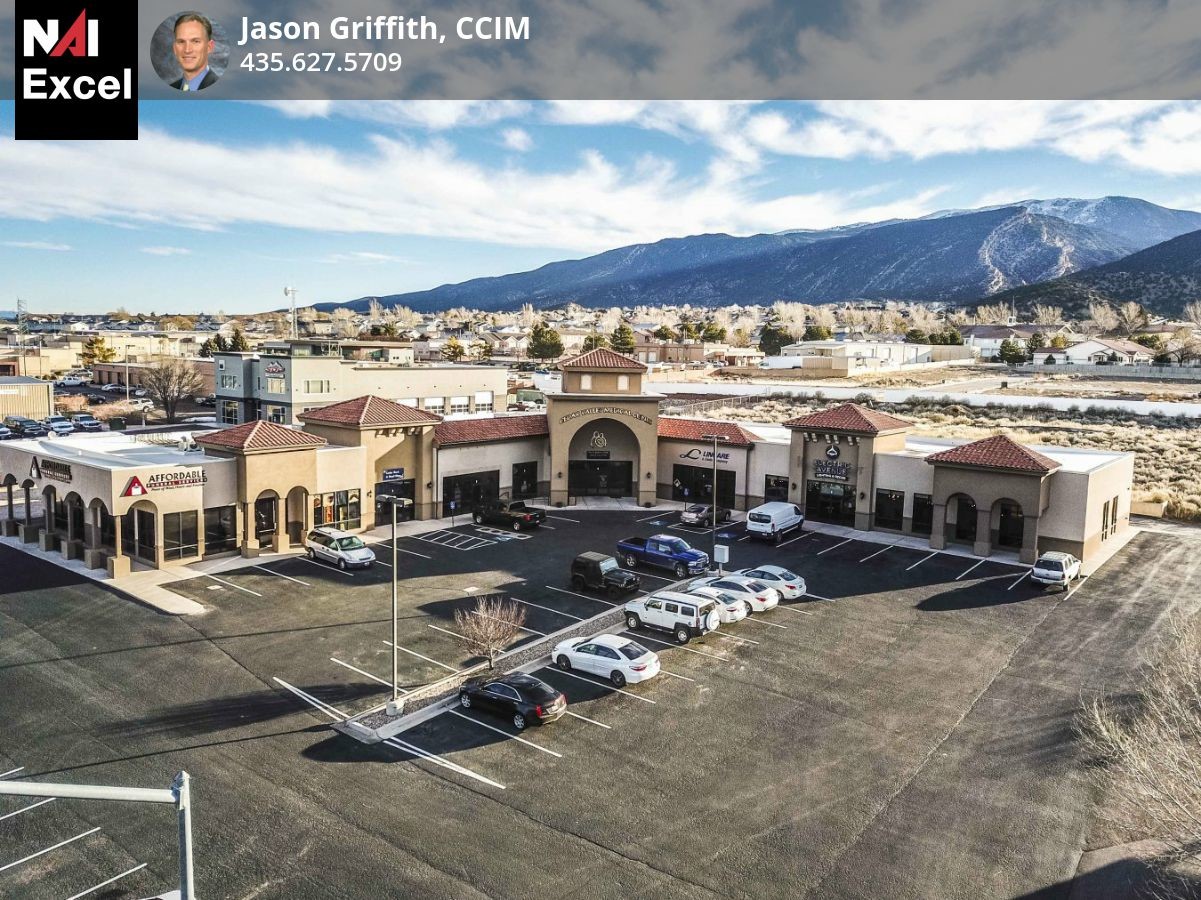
pixel 1004 384
pixel 117 423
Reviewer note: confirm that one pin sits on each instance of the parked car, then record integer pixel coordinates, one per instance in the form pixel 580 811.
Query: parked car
pixel 341 548
pixel 702 514
pixel 138 392
pixel 6 434
pixel 111 387
pixel 24 427
pixel 599 572
pixel 85 422
pixel 663 551
pixel 70 381
pixel 757 596
pixel 521 698
pixel 512 514
pixel 1055 567
pixel 790 585
pixel 729 607
pixel 205 399
pixel 96 399
pixel 142 403
pixel 684 619
pixel 610 656
pixel 59 425
pixel 772 521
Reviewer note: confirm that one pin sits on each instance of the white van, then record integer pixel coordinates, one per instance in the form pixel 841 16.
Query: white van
pixel 771 521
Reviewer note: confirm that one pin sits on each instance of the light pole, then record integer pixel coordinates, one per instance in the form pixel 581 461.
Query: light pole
pixel 127 372
pixel 394 502
pixel 716 438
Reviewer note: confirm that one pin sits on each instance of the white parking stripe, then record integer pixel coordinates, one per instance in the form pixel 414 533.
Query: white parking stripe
pixel 602 684
pixel 745 537
pixel 313 562
pixel 688 529
pixel 877 553
pixel 674 675
pixel 12 771
pixel 643 637
pixel 544 525
pixel 278 575
pixel 1023 577
pixel 982 562
pixel 734 636
pixel 444 631
pixel 412 553
pixel 334 659
pixel 803 612
pixel 564 519
pixel 557 612
pixel 586 719
pixel 320 705
pixel 661 577
pixel 659 515
pixel 922 560
pixel 835 547
pixel 419 656
pixel 232 585
pixel 439 761
pixel 455 712
pixel 97 887
pixel 801 536
pixel 585 596
pixel 26 808
pixel 758 621
pixel 48 849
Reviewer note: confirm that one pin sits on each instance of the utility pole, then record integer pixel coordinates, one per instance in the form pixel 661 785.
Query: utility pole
pixel 716 438
pixel 394 705
pixel 290 292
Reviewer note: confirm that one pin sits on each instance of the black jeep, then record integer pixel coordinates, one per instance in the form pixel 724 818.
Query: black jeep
pixel 601 573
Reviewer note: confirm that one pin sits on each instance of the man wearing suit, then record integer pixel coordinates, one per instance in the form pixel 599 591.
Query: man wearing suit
pixel 192 46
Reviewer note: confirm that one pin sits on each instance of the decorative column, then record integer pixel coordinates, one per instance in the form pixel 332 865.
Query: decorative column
pixel 48 540
pixel 279 540
pixel 249 547
pixel 983 545
pixel 118 563
pixel 72 548
pixel 1029 552
pixel 10 524
pixel 938 527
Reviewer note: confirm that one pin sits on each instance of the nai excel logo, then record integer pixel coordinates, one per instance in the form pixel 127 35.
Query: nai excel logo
pixel 76 70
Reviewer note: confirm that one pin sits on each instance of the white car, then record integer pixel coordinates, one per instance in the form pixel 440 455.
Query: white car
pixel 1056 567
pixel 757 596
pixel 341 548
pixel 610 656
pixel 70 381
pixel 59 425
pixel 142 403
pixel 112 387
pixel 790 585
pixel 729 608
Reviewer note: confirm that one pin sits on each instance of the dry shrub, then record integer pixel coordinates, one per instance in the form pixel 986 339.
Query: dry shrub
pixel 69 404
pixel 1148 751
pixel 490 626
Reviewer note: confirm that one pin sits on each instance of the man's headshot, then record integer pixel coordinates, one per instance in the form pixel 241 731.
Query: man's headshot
pixel 192 45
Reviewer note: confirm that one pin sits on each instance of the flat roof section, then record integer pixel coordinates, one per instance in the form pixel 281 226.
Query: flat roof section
pixel 114 450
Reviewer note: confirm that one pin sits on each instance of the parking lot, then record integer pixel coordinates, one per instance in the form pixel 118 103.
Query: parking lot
pixel 904 731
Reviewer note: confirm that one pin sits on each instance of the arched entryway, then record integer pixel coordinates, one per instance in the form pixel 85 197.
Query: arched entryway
pixel 961 519
pixel 297 507
pixel 101 530
pixel 265 516
pixel 139 532
pixel 74 515
pixel 1008 524
pixel 603 460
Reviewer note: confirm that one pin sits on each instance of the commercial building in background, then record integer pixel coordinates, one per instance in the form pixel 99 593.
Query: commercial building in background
pixel 135 372
pixel 285 378
pixel 118 500
pixel 24 396
pixel 842 358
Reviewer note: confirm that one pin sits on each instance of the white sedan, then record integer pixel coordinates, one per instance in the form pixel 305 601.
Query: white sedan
pixel 757 596
pixel 610 656
pixel 729 608
pixel 790 585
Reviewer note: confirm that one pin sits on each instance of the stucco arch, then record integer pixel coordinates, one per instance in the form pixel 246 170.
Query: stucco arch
pixel 1007 524
pixel 962 518
pixel 624 438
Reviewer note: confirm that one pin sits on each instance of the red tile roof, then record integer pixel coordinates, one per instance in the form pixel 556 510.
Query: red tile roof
pixel 849 417
pixel 695 430
pixel 996 452
pixel 259 435
pixel 602 358
pixel 369 411
pixel 495 428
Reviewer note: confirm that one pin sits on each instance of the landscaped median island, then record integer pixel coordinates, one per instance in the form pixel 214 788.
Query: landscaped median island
pixel 1165 448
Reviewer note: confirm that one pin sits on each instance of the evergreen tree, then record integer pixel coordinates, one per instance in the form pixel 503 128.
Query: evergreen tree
pixel 917 336
pixel 1036 342
pixel 595 340
pixel 206 349
pixel 220 344
pixel 95 350
pixel 238 342
pixel 663 333
pixel 545 342
pixel 622 339
pixel 774 337
pixel 1012 352
pixel 453 351
pixel 713 333
pixel 818 333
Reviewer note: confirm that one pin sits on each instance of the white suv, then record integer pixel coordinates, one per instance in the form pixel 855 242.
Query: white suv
pixel 1055 567
pixel 684 616
pixel 338 547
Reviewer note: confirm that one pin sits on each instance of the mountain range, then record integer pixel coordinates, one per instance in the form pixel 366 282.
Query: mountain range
pixel 955 256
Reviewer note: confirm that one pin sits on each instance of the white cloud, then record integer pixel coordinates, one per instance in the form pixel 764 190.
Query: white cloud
pixel 37 245
pixel 517 139
pixel 364 257
pixel 167 251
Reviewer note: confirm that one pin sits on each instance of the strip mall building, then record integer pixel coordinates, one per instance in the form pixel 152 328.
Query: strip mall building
pixel 117 500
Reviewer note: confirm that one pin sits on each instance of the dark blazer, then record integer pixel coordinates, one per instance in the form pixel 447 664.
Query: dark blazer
pixel 208 80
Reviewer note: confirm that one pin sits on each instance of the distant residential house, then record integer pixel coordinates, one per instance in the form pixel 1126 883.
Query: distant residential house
pixel 1099 351
pixel 988 338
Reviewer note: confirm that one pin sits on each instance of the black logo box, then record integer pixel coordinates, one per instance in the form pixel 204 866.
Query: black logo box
pixel 116 49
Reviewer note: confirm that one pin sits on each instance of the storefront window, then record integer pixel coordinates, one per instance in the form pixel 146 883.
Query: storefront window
pixel 338 509
pixel 460 405
pixel 890 509
pixel 179 535
pixel 923 513
pixel 276 414
pixel 483 401
pixel 694 484
pixel 436 405
pixel 277 385
pixel 775 488
pixel 229 412
pixel 220 530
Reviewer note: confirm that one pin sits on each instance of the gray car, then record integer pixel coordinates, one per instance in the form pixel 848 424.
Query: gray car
pixel 341 548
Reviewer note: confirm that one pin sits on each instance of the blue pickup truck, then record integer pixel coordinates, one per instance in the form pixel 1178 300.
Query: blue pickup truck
pixel 663 551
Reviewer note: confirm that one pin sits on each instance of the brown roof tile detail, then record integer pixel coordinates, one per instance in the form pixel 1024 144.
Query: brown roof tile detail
pixel 997 452
pixel 602 358
pixel 849 417
pixel 369 410
pixel 695 430
pixel 496 428
pixel 260 435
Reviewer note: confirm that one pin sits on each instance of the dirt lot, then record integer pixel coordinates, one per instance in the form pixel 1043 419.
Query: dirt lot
pixel 1089 387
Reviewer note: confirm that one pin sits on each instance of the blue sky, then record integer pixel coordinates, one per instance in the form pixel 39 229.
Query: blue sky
pixel 219 205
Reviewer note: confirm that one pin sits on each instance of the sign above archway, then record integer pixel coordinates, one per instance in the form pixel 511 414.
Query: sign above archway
pixel 606 411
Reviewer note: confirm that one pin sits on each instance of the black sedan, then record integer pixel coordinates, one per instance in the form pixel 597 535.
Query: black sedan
pixel 522 699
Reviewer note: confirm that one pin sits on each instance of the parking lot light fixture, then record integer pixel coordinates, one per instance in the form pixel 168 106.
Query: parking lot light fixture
pixel 394 706
pixel 716 438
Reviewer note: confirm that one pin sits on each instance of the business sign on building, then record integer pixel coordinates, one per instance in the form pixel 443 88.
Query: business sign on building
pixel 394 474
pixel 706 455
pixel 606 411
pixel 274 368
pixel 831 470
pixel 49 468
pixel 165 481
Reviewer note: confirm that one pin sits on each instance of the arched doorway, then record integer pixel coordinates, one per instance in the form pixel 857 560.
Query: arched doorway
pixel 297 512
pixel 139 532
pixel 102 530
pixel 266 517
pixel 1008 524
pixel 75 516
pixel 603 460
pixel 961 519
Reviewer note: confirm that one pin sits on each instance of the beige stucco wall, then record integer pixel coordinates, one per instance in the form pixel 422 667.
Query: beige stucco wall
pixel 568 413
pixel 602 382
pixel 671 455
pixel 464 459
pixel 899 472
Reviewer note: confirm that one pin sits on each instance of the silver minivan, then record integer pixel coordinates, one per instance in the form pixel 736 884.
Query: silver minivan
pixel 771 521
pixel 341 548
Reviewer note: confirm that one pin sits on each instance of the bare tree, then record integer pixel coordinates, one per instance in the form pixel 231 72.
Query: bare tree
pixel 171 381
pixel 1042 314
pixel 822 316
pixel 1102 316
pixel 1192 313
pixel 922 317
pixel 959 318
pixel 375 310
pixel 993 314
pixel 1183 345
pixel 489 628
pixel 1132 318
pixel 344 325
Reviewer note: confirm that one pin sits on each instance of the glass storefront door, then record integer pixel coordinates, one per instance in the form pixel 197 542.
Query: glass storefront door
pixel 406 489
pixel 465 491
pixel 965 519
pixel 600 478
pixel 264 519
pixel 525 480
pixel 694 484
pixel 831 502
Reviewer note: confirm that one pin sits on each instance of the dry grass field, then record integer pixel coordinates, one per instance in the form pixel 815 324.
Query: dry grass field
pixel 1167 465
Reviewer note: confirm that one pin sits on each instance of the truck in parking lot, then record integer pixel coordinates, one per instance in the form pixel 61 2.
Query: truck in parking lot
pixel 508 514
pixel 599 572
pixel 663 551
